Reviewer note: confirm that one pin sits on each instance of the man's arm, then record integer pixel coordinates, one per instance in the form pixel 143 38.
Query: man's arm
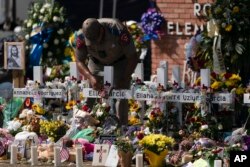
pixel 81 56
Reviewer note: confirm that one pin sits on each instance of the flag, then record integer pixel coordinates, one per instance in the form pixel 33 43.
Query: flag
pixel 2 149
pixel 64 154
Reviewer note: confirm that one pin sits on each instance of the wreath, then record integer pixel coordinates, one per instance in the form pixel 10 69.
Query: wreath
pixel 152 22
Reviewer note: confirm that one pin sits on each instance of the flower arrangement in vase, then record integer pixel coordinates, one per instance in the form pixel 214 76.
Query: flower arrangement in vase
pixel 156 148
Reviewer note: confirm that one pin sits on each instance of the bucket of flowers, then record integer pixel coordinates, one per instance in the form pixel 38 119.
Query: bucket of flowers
pixel 125 151
pixel 156 147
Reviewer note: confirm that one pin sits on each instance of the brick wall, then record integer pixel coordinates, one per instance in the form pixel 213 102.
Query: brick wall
pixel 171 47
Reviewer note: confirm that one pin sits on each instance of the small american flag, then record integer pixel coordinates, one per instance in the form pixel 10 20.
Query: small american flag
pixel 64 154
pixel 2 148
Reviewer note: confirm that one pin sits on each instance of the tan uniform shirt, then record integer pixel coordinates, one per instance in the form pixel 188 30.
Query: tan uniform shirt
pixel 116 44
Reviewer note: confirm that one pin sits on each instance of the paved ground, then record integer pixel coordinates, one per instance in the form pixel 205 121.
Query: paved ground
pixel 6 163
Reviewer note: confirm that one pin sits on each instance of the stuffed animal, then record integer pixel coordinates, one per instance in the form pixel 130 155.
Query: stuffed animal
pixel 46 152
pixel 91 121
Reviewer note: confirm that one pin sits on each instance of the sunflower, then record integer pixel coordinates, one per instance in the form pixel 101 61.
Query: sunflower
pixel 70 104
pixel 38 109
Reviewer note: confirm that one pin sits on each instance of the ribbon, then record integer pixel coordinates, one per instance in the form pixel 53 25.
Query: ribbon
pixel 218 61
pixel 37 40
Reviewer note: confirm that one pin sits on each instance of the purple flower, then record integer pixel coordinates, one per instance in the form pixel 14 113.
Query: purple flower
pixel 151 23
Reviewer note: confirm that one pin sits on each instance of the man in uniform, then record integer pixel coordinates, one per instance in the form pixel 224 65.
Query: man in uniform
pixel 106 42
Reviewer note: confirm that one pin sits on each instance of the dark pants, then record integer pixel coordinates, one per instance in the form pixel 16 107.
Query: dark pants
pixel 121 105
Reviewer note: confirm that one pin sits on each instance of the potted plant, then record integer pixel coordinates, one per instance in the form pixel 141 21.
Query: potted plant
pixel 125 151
pixel 155 147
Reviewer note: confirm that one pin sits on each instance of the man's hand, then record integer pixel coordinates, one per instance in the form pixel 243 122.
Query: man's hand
pixel 95 83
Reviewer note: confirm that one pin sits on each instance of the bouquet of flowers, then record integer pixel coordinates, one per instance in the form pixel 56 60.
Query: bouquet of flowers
pixel 46 28
pixel 53 129
pixel 137 35
pixel 152 22
pixel 100 111
pixel 124 144
pixel 156 142
pixel 155 118
pixel 134 108
pixel 227 82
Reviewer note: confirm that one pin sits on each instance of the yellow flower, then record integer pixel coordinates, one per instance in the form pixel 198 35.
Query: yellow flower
pixel 156 142
pixel 38 109
pixel 240 91
pixel 230 83
pixel 134 107
pixel 70 104
pixel 133 26
pixel 216 85
pixel 133 121
pixel 235 77
pixel 228 27
pixel 236 9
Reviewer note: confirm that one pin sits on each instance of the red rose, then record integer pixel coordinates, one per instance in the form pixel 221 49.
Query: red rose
pixel 228 75
pixel 85 108
pixel 140 135
pixel 214 75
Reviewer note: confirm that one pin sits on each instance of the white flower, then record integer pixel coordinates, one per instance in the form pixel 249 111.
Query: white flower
pixel 60 32
pixel 220 126
pixel 45 19
pixel 36 6
pixel 30 112
pixel 133 114
pixel 49 84
pixel 204 127
pixel 13 125
pixel 104 105
pixel 55 19
pixel 47 5
pixel 99 113
pixel 34 15
pixel 45 45
pixel 42 10
pixel 50 53
pixel 27 36
pixel 40 17
pixel 18 29
pixel 29 24
pixel 56 41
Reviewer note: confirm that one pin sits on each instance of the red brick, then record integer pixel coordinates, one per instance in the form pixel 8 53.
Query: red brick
pixel 179 11
pixel 185 16
pixel 172 15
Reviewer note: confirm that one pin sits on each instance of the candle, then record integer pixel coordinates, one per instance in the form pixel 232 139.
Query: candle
pixel 217 163
pixel 13 154
pixel 139 160
pixel 57 159
pixel 79 160
pixel 34 155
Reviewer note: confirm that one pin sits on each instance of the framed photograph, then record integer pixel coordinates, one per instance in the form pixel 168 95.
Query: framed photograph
pixel 14 55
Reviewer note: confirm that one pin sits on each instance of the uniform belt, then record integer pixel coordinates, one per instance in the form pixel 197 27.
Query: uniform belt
pixel 96 61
